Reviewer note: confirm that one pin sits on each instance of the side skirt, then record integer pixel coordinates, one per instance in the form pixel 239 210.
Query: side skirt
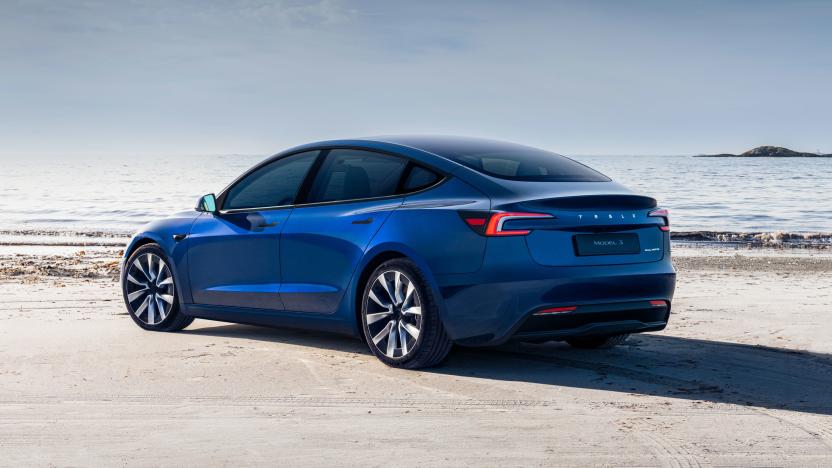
pixel 270 318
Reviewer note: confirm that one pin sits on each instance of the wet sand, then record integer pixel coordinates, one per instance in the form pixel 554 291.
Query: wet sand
pixel 742 376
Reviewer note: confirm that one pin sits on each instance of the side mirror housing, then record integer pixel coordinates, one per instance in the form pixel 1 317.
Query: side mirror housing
pixel 207 203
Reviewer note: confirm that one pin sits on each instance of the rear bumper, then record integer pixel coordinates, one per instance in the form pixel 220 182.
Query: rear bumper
pixel 593 320
pixel 497 303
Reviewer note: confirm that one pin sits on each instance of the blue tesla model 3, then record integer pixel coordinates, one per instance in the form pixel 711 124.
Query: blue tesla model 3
pixel 412 243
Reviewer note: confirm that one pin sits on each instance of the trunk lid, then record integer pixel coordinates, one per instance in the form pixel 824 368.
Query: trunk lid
pixel 591 229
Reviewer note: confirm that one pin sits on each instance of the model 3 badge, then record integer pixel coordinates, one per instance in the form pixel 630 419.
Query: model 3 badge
pixel 608 243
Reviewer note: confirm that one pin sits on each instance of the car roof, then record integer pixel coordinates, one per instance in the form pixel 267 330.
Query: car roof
pixel 437 148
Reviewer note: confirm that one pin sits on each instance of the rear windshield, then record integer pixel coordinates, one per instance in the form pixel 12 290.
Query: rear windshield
pixel 516 162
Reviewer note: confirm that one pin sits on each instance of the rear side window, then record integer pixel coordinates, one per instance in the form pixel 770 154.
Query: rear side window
pixel 274 184
pixel 348 174
pixel 419 178
pixel 513 161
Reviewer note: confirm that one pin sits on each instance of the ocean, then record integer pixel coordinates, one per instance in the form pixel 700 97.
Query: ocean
pixel 47 197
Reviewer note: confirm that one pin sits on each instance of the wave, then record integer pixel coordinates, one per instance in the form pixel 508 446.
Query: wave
pixel 756 239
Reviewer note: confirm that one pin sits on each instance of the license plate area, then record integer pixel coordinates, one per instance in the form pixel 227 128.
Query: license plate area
pixel 606 244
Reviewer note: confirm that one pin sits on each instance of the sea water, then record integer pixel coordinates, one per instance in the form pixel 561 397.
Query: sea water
pixel 116 195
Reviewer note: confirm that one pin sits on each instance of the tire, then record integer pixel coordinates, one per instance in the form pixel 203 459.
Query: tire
pixel 391 309
pixel 149 288
pixel 598 342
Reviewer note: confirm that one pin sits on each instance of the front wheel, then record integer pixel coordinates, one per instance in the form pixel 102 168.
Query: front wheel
pixel 400 317
pixel 149 289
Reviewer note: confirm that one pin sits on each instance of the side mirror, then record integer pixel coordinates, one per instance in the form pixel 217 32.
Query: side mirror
pixel 207 203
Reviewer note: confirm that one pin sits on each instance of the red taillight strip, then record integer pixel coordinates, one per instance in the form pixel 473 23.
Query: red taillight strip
pixel 495 224
pixel 661 213
pixel 555 310
pixel 658 303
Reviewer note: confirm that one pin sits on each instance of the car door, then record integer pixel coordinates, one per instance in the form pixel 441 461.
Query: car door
pixel 350 197
pixel 234 254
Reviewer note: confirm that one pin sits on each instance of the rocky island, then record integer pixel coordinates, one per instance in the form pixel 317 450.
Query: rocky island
pixel 767 152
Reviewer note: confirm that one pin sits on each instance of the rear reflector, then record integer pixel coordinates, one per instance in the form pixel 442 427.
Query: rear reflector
pixel 658 303
pixel 475 221
pixel 554 310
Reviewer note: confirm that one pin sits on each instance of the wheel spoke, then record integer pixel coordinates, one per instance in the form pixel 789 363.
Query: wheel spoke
pixel 160 306
pixel 416 310
pixel 151 310
pixel 138 264
pixel 161 269
pixel 133 280
pixel 397 287
pixel 391 340
pixel 135 294
pixel 386 286
pixel 151 276
pixel 373 318
pixel 413 331
pixel 168 280
pixel 402 338
pixel 143 306
pixel 166 297
pixel 383 333
pixel 409 293
pixel 377 300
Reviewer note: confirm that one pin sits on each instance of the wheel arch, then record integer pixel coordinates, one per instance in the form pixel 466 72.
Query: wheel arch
pixel 372 259
pixel 175 261
pixel 137 242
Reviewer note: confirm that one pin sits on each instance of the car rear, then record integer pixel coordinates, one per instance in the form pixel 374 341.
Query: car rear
pixel 569 253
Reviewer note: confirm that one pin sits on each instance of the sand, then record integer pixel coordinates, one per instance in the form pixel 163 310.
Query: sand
pixel 741 376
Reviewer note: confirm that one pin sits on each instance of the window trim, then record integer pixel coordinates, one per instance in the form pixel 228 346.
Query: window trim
pixel 306 185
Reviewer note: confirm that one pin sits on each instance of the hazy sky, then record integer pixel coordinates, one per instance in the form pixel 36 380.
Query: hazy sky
pixel 580 77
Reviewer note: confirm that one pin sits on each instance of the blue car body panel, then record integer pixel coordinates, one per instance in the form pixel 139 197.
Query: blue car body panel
pixel 304 266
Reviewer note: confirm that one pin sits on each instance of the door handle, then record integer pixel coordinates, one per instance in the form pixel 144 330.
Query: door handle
pixel 363 221
pixel 179 237
pixel 265 225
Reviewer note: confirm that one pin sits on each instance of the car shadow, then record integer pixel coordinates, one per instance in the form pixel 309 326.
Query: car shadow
pixel 647 364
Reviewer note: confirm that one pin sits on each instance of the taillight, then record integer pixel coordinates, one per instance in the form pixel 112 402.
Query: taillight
pixel 493 224
pixel 664 214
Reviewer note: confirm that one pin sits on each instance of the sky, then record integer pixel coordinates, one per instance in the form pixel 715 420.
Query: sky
pixel 255 77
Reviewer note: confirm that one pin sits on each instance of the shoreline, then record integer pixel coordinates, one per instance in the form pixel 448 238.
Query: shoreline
pixel 32 264
pixel 704 238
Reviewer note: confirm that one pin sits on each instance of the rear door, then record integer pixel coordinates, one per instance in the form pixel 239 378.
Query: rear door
pixel 234 255
pixel 351 196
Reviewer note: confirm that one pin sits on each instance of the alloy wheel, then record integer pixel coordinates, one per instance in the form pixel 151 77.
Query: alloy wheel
pixel 150 289
pixel 393 314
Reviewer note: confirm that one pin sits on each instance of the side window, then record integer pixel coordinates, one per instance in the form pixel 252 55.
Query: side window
pixel 419 178
pixel 350 174
pixel 274 184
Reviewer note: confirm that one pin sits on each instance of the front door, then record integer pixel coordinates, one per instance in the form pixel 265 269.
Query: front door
pixel 234 255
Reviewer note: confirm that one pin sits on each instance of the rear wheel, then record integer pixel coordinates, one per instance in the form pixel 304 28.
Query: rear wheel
pixel 149 289
pixel 400 317
pixel 598 342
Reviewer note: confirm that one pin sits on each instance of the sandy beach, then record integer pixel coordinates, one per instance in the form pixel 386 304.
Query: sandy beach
pixel 742 376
